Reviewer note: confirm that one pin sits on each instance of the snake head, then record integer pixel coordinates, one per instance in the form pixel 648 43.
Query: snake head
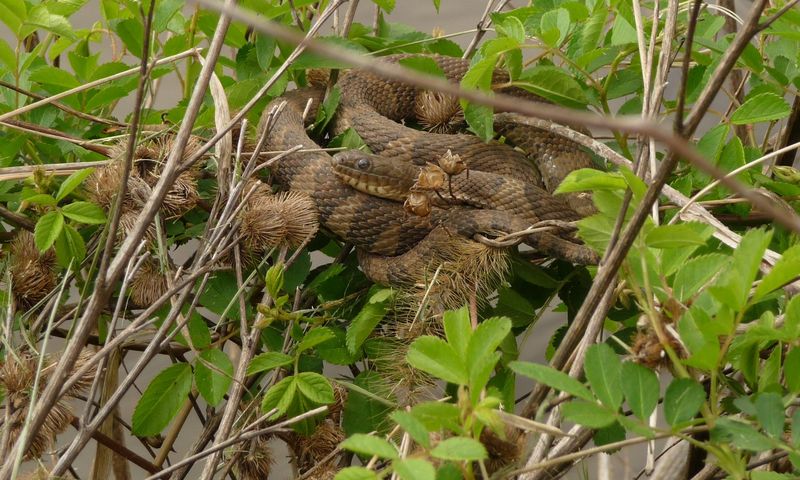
pixel 374 175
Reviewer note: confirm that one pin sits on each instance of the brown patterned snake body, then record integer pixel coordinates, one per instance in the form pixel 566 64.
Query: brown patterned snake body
pixel 387 237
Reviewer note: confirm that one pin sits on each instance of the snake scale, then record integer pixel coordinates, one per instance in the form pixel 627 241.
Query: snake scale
pixel 389 240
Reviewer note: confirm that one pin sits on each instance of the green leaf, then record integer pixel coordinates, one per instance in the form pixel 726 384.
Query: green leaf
pixel 791 326
pixel 696 273
pixel 603 370
pixel 279 396
pixel 84 212
pixel 787 268
pixel 413 427
pixel 459 449
pixel 370 446
pixel 386 5
pixel 683 400
pixel 315 387
pixel 770 414
pixel 761 108
pixel 588 414
pixel 487 337
pixel 13 13
pixel 47 229
pixel 70 247
pixel 355 473
pixel 552 378
pixel 791 370
pixel 213 375
pixel 314 337
pixel 554 26
pixel 131 32
pixel 742 435
pixel 72 182
pixel 274 280
pixel 480 119
pixel 555 85
pixel 512 27
pixel 436 357
pixel 367 319
pixel 40 16
pixel 423 64
pixel 162 400
pixel 41 199
pixel 437 415
pixel 458 330
pixel 47 75
pixel 590 179
pixel 622 33
pixel 267 361
pixel 7 55
pixel 414 469
pixel 734 290
pixel 680 235
pixel 641 388
pixel 368 404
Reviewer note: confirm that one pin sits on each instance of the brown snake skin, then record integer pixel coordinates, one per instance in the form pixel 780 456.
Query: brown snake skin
pixel 388 238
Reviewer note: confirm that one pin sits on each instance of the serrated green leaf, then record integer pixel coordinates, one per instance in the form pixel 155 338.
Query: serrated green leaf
pixel 370 446
pixel 279 396
pixel 267 361
pixel 162 400
pixel 47 75
pixel 70 247
pixel 512 27
pixel 603 370
pixel 482 344
pixel 588 414
pixel 480 119
pixel 436 357
pixel 589 179
pixel 791 370
pixel 314 337
pixel 770 414
pixel 459 449
pixel 47 229
pixel 413 427
pixel 622 32
pixel 84 212
pixel 555 85
pixel 742 435
pixel 787 268
pixel 458 330
pixel 213 375
pixel 41 199
pixel 315 387
pixel 696 272
pixel 679 235
pixel 552 378
pixel 414 469
pixel 72 182
pixel 367 319
pixel 40 16
pixel 274 279
pixel 683 400
pixel 355 473
pixel 641 389
pixel 761 108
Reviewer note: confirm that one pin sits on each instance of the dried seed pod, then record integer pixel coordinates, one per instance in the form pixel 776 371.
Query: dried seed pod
pixel 326 437
pixel 438 112
pixel 418 203
pixel 431 177
pixel 269 221
pixel 33 274
pixel 452 164
pixel 299 215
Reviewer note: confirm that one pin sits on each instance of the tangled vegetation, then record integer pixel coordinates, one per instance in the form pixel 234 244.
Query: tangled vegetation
pixel 154 239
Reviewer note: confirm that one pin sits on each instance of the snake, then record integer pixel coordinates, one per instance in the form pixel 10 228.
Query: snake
pixel 386 237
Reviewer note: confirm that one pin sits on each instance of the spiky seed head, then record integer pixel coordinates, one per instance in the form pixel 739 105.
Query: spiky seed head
pixel 33 274
pixel 503 452
pixel 148 284
pixel 438 112
pixel 104 184
pixel 327 471
pixel 269 221
pixel 340 398
pixel 255 460
pixel 326 437
pixel 17 375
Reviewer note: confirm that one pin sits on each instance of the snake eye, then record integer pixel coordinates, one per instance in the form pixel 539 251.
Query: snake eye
pixel 362 163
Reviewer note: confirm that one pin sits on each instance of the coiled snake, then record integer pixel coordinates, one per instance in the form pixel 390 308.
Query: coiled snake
pixel 390 241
